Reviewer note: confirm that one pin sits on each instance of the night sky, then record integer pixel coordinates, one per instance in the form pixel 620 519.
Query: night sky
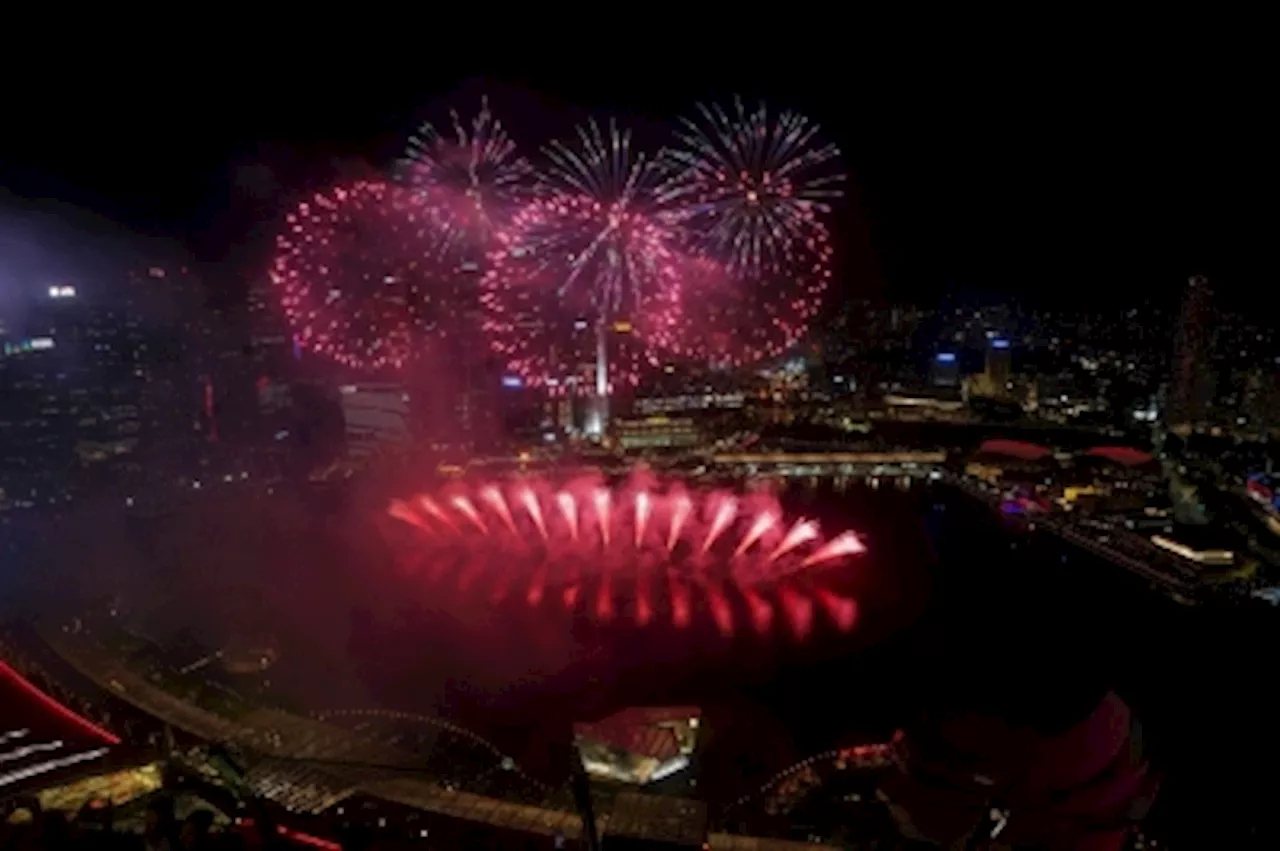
pixel 1060 173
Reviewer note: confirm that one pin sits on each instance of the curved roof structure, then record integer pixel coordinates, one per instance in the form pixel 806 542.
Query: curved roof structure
pixel 1088 782
pixel 1126 455
pixel 1019 449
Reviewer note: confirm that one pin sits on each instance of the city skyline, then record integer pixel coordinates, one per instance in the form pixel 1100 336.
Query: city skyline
pixel 357 463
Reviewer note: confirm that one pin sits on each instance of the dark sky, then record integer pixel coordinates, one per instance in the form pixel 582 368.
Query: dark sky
pixel 1072 170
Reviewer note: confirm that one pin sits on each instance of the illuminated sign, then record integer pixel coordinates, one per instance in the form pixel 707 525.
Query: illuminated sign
pixel 62 292
pixel 512 381
pixel 622 327
pixel 35 344
pixel 999 343
pixel 580 325
pixel 946 357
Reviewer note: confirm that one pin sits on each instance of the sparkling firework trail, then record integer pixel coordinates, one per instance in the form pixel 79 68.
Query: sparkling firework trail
pixel 400 510
pixel 473 178
pixel 601 500
pixel 430 506
pixel 763 523
pixel 724 515
pixel 644 507
pixel 845 544
pixel 468 509
pixel 748 192
pixel 679 514
pixel 493 496
pixel 586 256
pixel 801 533
pixel 569 511
pixel 749 187
pixel 530 502
pixel 600 167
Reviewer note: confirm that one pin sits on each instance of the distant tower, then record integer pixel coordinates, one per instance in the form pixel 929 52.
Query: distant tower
pixel 1192 380
pixel 999 366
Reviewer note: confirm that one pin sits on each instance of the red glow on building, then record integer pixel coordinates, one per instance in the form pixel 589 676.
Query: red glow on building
pixel 1125 455
pixel 1015 449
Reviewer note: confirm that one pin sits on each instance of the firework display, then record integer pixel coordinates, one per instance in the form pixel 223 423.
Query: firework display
pixel 472 178
pixel 650 554
pixel 727 322
pixel 569 278
pixel 356 276
pixel 595 267
pixel 747 191
pixel 585 257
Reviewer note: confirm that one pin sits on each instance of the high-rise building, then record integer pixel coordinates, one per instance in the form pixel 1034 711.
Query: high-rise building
pixel 999 367
pixel 945 371
pixel 376 417
pixel 73 387
pixel 1260 399
pixel 102 384
pixel 1191 388
pixel 166 301
pixel 271 345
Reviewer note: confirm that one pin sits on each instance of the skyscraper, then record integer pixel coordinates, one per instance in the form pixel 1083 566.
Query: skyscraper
pixel 1192 380
pixel 999 367
pixel 377 417
pixel 946 370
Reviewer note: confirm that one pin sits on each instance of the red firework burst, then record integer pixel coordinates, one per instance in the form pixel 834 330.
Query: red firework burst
pixel 639 552
pixel 748 190
pixel 572 273
pixel 356 278
pixel 473 176
pixel 728 322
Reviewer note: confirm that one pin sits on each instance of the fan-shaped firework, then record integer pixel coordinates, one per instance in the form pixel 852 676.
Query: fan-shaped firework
pixel 355 275
pixel 584 271
pixel 473 179
pixel 638 552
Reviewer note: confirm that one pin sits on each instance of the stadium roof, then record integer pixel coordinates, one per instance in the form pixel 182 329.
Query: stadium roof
pixel 1015 449
pixel 40 739
pixel 1085 782
pixel 1126 455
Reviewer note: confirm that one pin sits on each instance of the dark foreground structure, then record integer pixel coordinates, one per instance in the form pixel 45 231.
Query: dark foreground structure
pixel 982 781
